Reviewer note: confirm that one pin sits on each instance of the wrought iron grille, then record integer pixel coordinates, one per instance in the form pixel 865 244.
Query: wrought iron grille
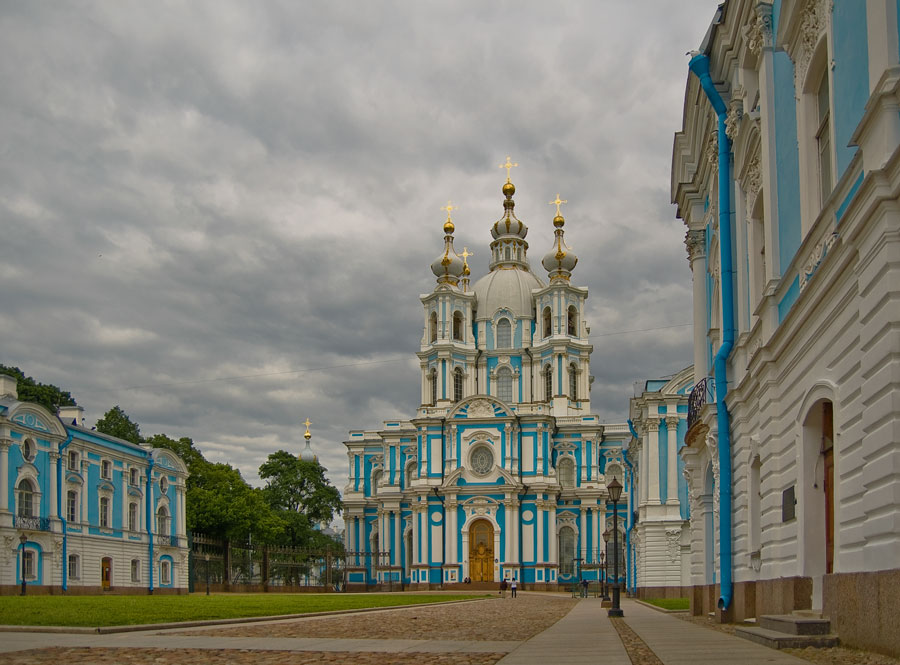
pixel 703 393
pixel 32 523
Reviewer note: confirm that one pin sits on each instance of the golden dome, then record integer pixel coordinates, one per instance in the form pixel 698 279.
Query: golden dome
pixel 558 221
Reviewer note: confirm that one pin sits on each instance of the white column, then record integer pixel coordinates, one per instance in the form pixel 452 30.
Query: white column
pixel 417 556
pixel 514 526
pixel 181 527
pixel 396 555
pixel 644 468
pixel 554 540
pixel 585 458
pixel 507 530
pixel 4 474
pixel 539 516
pixel 652 475
pixel 452 535
pixel 582 528
pixel 696 246
pixel 54 460
pixel 672 453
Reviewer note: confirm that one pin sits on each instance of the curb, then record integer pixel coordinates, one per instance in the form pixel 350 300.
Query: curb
pixel 659 609
pixel 104 630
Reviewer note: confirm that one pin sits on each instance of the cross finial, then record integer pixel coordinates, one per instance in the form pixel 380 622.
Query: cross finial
pixel 507 166
pixel 466 254
pixel 307 423
pixel 449 208
pixel 558 202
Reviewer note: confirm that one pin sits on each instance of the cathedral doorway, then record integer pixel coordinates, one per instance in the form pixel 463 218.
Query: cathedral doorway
pixel 481 551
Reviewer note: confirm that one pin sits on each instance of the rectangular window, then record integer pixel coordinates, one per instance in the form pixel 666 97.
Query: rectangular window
pixel 132 516
pixel 73 566
pixel 106 469
pixel 104 512
pixel 135 570
pixel 72 506
pixel 823 138
pixel 165 572
pixel 73 460
pixel 134 477
pixel 29 565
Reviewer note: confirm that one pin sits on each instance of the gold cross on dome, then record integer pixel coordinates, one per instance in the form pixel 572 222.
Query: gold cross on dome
pixel 449 208
pixel 466 254
pixel 307 423
pixel 558 202
pixel 507 166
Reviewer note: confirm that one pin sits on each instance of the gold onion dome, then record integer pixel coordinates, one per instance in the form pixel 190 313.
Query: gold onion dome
pixel 307 454
pixel 448 266
pixel 560 260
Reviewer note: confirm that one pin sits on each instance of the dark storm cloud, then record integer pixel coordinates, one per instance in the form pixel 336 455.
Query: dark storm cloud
pixel 191 193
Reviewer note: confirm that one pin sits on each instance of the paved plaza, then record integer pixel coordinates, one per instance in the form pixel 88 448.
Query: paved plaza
pixel 532 629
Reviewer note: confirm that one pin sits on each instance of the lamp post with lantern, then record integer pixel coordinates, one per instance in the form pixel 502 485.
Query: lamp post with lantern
pixel 615 493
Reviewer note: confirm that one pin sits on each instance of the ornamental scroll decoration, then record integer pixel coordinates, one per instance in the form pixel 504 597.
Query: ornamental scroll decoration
pixel 759 35
pixel 735 114
pixel 819 252
pixel 673 544
pixel 752 184
pixel 695 243
pixel 712 444
pixel 816 16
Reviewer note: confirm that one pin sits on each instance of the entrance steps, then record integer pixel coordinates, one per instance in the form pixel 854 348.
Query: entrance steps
pixel 803 628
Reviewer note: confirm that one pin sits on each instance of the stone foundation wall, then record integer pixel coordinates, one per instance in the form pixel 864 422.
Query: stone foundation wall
pixel 47 590
pixel 863 608
pixel 664 592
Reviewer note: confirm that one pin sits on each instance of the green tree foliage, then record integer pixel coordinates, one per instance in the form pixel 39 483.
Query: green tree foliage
pixel 301 496
pixel 45 394
pixel 116 422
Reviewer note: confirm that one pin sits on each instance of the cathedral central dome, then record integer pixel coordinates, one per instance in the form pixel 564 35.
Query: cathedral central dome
pixel 509 288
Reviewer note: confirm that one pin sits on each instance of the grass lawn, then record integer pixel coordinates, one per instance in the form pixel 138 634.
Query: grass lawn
pixel 129 610
pixel 670 603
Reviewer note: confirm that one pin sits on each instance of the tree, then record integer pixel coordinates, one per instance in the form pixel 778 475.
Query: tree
pixel 299 486
pixel 116 422
pixel 222 504
pixel 45 394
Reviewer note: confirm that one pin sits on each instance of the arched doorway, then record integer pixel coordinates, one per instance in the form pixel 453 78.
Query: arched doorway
pixel 481 551
pixel 817 496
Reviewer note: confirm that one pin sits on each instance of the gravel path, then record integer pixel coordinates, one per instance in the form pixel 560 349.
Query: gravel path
pixel 492 619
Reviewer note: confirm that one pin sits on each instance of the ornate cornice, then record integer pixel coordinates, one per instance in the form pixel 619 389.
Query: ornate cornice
pixel 760 34
pixel 752 183
pixel 815 18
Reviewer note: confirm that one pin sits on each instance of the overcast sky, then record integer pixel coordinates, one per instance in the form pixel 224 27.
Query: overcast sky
pixel 220 215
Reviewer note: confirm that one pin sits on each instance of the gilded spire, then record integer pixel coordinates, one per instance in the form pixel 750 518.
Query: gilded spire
pixel 307 435
pixel 448 225
pixel 558 202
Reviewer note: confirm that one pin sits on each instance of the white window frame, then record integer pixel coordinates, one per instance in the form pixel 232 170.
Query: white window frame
pixel 165 572
pixel 134 523
pixel 106 469
pixel 72 506
pixel 136 570
pixel 104 517
pixel 29 570
pixel 74 567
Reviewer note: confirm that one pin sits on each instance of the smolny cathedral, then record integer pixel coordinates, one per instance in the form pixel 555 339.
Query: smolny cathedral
pixel 503 471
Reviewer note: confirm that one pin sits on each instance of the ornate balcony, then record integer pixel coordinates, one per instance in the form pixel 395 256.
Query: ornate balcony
pixel 164 540
pixel 31 523
pixel 704 392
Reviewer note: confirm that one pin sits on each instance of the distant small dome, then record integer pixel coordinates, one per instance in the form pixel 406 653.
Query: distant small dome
pixel 560 260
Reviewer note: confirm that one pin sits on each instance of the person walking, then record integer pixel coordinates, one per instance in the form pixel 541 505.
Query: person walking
pixel 503 586
pixel 512 587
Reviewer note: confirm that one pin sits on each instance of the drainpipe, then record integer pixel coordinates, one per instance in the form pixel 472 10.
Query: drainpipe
pixel 59 510
pixel 149 511
pixel 630 522
pixel 699 65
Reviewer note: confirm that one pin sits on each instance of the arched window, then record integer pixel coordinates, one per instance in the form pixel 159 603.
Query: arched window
pixel 162 520
pixel 573 382
pixel 504 334
pixel 104 511
pixel 548 383
pixel 72 506
pixel 458 326
pixel 432 327
pixel 504 384
pixel 566 472
pixel 548 322
pixel 376 481
pixel 434 386
pixel 457 385
pixel 165 572
pixel 410 474
pixel 25 507
pixel 566 551
pixel 572 321
pixel 507 254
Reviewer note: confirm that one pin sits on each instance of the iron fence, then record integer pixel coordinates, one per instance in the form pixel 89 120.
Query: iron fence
pixel 704 392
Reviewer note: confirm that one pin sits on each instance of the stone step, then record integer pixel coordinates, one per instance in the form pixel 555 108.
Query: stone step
pixel 794 624
pixel 778 640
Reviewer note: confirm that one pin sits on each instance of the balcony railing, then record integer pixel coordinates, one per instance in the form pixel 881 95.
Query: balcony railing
pixel 163 540
pixel 32 523
pixel 703 393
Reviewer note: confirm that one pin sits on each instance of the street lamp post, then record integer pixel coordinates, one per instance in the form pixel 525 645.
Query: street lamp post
pixel 604 595
pixel 615 493
pixel 23 539
pixel 207 572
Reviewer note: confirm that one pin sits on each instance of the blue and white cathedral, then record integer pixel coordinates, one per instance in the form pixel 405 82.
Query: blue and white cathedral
pixel 503 472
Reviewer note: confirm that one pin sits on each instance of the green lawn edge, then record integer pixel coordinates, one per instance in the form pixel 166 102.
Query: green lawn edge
pixel 669 603
pixel 104 611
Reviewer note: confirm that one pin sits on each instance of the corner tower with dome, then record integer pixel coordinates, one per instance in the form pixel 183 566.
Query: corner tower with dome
pixel 503 471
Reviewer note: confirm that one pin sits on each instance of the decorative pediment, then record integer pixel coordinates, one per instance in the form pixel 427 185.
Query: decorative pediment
pixel 565 446
pixel 74 478
pixel 105 486
pixel 480 406
pixel 135 491
pixel 35 418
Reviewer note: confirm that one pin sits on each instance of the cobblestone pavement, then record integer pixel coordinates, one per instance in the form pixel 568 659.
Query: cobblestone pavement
pixel 493 619
pixel 102 656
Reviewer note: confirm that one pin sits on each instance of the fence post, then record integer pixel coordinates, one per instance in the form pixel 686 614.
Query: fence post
pixel 191 564
pixel 226 565
pixel 265 568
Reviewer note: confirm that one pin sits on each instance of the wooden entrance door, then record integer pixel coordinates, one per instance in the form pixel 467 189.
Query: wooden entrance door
pixel 481 551
pixel 828 453
pixel 105 573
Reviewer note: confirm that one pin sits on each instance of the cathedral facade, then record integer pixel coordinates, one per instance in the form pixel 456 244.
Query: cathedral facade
pixel 503 471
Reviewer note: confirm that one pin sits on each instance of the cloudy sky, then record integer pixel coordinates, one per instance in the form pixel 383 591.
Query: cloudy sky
pixel 220 215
